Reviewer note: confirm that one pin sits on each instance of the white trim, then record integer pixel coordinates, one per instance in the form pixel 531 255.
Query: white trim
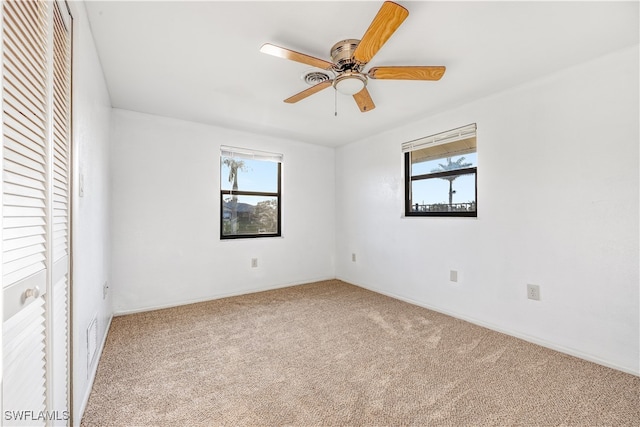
pixel 510 332
pixel 250 154
pixel 446 137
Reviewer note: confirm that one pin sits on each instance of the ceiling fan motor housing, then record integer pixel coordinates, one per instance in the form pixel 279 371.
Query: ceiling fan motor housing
pixel 341 54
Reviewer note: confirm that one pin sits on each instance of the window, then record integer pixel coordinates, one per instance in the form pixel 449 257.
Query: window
pixel 441 174
pixel 249 193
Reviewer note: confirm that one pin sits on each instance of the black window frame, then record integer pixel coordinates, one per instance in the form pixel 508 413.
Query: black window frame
pixel 444 145
pixel 277 194
pixel 408 180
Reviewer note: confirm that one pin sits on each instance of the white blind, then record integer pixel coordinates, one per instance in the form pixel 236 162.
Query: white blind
pixel 457 141
pixel 249 154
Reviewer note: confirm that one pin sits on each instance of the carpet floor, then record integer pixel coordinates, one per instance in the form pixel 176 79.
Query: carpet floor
pixel 330 353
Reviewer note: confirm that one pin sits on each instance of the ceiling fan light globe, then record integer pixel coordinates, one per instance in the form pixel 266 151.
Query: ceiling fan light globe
pixel 350 84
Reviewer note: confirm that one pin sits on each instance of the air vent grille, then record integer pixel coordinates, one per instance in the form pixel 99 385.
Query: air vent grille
pixel 314 77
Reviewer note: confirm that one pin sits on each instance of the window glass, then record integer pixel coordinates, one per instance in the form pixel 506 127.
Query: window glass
pixel 443 164
pixel 455 193
pixel 249 196
pixel 254 175
pixel 255 215
pixel 441 177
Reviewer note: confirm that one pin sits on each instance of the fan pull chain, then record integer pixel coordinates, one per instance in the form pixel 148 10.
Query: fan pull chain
pixel 335 94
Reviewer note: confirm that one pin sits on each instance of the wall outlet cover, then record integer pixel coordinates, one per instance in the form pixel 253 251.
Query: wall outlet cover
pixel 533 292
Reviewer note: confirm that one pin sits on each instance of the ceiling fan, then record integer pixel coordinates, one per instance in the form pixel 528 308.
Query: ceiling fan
pixel 349 57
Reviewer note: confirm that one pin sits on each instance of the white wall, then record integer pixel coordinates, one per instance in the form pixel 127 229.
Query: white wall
pixel 90 238
pixel 166 247
pixel 558 207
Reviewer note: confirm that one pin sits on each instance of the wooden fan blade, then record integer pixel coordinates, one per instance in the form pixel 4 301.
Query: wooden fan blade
pixel 364 101
pixel 292 55
pixel 308 92
pixel 386 22
pixel 407 73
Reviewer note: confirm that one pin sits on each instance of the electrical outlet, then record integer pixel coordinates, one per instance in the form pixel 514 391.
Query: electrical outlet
pixel 533 292
pixel 453 275
pixel 353 257
pixel 254 262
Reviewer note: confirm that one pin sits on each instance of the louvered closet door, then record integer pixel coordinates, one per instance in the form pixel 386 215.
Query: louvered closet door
pixel 58 368
pixel 36 71
pixel 24 208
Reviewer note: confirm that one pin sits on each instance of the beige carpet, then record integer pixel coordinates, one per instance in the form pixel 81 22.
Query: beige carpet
pixel 330 353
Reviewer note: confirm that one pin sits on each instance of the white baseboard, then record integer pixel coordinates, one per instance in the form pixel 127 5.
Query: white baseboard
pixel 92 376
pixel 216 296
pixel 513 333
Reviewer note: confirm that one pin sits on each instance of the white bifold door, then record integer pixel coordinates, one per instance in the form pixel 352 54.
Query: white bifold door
pixel 36 176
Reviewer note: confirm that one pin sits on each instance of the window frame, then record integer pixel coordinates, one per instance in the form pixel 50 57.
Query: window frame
pixel 408 180
pixel 277 195
pixel 442 138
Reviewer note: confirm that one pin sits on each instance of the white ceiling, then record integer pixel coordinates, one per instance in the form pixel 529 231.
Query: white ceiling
pixel 200 61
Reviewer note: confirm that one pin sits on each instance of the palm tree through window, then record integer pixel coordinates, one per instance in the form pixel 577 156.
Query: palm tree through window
pixel 441 174
pixel 249 193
